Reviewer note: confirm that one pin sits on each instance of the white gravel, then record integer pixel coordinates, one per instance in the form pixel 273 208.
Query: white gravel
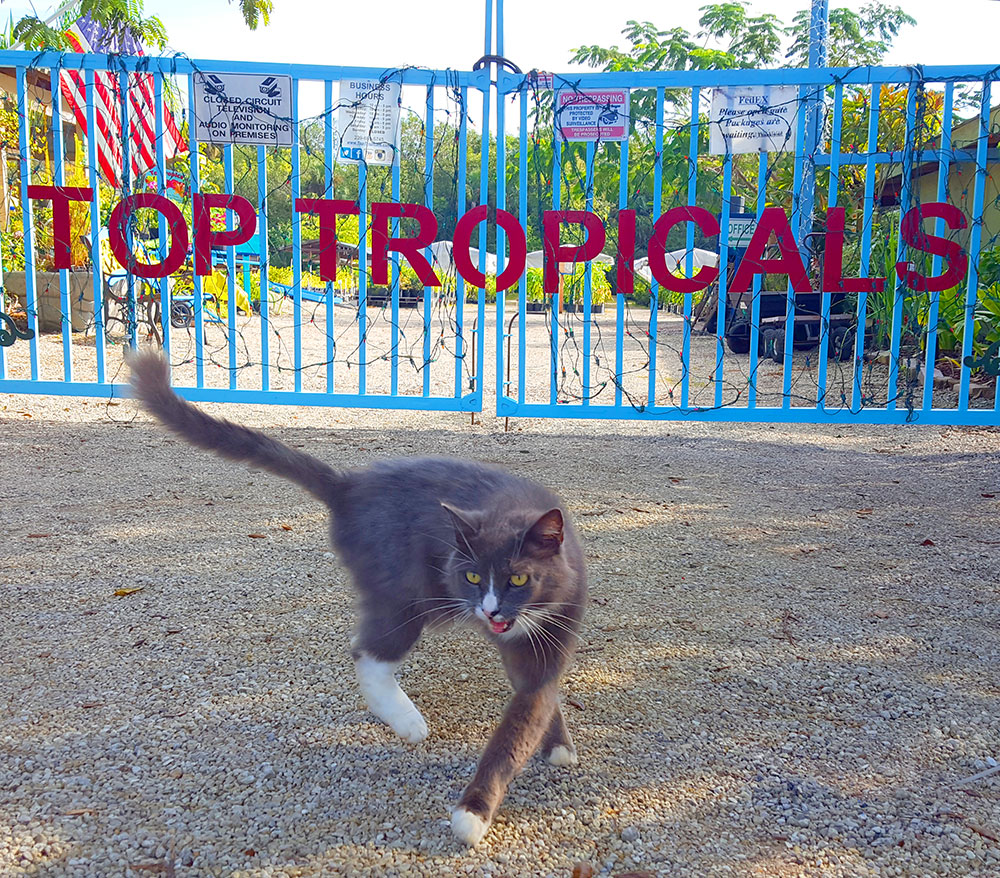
pixel 790 666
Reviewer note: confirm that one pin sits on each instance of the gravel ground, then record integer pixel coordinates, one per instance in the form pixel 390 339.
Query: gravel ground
pixel 789 667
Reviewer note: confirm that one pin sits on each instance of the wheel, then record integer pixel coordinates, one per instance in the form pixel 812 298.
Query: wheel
pixel 738 338
pixel 181 315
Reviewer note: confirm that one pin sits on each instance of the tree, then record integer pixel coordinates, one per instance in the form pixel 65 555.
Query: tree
pixel 123 18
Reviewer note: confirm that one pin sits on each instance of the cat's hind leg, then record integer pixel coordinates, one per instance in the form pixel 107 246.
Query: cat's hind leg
pixel 378 649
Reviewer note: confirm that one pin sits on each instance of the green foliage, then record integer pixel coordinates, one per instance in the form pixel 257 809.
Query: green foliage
pixel 856 39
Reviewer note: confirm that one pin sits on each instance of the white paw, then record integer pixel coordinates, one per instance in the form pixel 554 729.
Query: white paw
pixel 468 827
pixel 563 756
pixel 412 727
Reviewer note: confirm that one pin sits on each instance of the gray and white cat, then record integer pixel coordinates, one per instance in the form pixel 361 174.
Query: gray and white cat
pixel 433 540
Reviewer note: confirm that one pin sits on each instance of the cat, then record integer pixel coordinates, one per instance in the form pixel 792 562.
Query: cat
pixel 433 540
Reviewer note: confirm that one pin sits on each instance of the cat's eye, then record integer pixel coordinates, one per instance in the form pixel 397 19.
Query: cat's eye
pixel 474 578
pixel 519 579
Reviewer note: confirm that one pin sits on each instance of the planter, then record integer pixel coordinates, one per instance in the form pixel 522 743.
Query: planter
pixel 536 307
pixel 48 298
pixel 578 309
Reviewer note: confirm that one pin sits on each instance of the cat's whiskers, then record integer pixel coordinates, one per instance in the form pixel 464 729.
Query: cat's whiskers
pixel 548 636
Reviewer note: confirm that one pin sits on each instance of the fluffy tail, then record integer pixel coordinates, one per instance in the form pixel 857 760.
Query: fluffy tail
pixel 151 385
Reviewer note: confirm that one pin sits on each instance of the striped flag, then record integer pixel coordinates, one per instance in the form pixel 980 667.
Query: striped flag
pixel 89 36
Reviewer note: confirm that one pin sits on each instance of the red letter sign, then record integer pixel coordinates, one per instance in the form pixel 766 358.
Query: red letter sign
pixel 328 210
pixel 61 197
pixel 658 246
pixel 773 219
pixel 382 211
pixel 205 238
pixel 913 234
pixel 555 253
pixel 625 279
pixel 462 239
pixel 833 261
pixel 178 235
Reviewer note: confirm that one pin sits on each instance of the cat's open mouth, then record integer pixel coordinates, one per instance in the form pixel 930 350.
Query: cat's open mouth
pixel 500 627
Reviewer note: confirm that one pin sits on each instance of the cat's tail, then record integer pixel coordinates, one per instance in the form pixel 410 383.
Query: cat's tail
pixel 151 385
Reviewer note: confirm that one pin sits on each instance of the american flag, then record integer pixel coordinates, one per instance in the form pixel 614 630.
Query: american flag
pixel 89 36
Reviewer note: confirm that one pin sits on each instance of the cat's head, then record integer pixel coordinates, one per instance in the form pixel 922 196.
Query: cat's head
pixel 508 567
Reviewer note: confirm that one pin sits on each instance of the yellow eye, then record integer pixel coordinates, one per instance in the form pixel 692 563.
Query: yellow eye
pixel 474 578
pixel 518 579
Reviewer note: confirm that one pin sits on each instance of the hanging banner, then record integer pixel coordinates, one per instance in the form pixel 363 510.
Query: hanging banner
pixel 368 121
pixel 591 115
pixel 758 118
pixel 243 108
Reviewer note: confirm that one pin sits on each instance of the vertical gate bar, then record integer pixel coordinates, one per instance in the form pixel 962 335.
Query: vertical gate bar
pixel 692 196
pixel 557 298
pixel 857 398
pixel 832 193
pixel 96 268
pixel 429 204
pixel 394 283
pixel 296 237
pixel 161 188
pixel 59 179
pixel 503 389
pixel 199 296
pixel 587 279
pixel 459 280
pixel 799 181
pixel 975 240
pixel 328 189
pixel 133 324
pixel 756 288
pixel 723 304
pixel 944 169
pixel 522 214
pixel 27 221
pixel 263 285
pixel 362 276
pixel 654 287
pixel 619 297
pixel 899 284
pixel 227 158
pixel 484 198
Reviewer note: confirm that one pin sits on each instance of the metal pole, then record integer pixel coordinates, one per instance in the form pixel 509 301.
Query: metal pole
pixel 819 27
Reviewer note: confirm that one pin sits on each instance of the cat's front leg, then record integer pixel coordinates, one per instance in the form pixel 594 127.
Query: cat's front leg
pixel 525 722
pixel 558 745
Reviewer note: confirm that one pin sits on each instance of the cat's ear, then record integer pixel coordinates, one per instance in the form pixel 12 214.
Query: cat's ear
pixel 466 524
pixel 544 538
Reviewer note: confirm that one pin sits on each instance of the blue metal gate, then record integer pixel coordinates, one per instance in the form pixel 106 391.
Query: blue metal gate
pixel 857 272
pixel 252 329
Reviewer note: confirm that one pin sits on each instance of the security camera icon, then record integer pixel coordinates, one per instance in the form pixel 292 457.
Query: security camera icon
pixel 269 87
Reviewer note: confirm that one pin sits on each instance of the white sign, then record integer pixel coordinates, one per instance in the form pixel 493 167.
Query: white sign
pixel 369 121
pixel 758 118
pixel 592 115
pixel 741 227
pixel 243 108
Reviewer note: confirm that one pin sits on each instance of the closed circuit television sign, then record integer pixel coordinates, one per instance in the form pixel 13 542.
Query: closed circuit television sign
pixel 245 108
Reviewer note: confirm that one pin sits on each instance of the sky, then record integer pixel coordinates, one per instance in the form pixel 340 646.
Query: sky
pixel 542 35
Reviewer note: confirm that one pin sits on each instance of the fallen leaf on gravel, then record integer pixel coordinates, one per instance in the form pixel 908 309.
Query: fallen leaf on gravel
pixel 865 511
pixel 991 834
pixel 988 496
pixel 928 543
pixel 583 870
pixel 79 812
pixel 174 630
pixel 634 875
pixel 675 480
pixel 125 592
pixel 38 536
pixel 89 704
pixel 45 654
pixel 572 702
pixel 257 536
pixel 286 527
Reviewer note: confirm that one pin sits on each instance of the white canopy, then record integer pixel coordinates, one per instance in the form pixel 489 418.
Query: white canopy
pixel 444 263
pixel 536 259
pixel 677 262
